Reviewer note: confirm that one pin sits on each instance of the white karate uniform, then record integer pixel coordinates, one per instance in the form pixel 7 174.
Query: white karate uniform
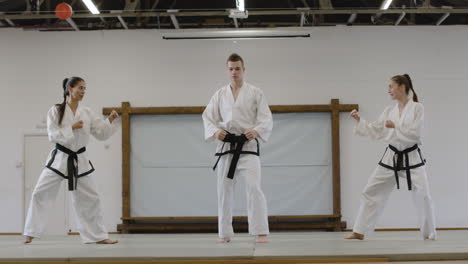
pixel 407 133
pixel 249 111
pixel 85 199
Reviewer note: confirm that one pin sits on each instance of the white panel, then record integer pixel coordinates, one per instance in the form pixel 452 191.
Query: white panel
pixel 171 171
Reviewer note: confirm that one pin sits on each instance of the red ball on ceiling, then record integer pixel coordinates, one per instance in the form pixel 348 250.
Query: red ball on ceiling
pixel 63 11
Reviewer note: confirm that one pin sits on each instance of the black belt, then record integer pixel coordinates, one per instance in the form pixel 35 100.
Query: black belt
pixel 72 169
pixel 236 142
pixel 398 161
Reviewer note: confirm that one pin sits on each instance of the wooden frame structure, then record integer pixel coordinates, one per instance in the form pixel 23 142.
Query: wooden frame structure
pixel 208 224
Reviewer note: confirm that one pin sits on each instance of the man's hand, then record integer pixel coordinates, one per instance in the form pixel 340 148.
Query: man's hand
pixel 220 134
pixel 251 134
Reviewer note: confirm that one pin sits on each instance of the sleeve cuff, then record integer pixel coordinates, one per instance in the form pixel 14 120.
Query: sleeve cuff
pixel 359 128
pixel 262 135
pixel 210 137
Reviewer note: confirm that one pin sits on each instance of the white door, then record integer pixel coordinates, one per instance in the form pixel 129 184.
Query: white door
pixel 36 149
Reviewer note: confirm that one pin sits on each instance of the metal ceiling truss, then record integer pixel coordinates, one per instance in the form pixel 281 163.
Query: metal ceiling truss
pixel 171 16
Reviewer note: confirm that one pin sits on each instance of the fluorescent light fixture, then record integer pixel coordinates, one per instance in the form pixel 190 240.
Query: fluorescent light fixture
pixel 385 4
pixel 236 34
pixel 240 5
pixel 234 13
pixel 92 8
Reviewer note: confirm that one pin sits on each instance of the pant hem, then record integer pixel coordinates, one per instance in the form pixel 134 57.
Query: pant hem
pixel 259 233
pixel 31 235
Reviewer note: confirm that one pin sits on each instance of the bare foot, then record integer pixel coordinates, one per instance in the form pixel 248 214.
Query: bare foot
pixel 224 240
pixel 28 239
pixel 107 241
pixel 262 239
pixel 355 236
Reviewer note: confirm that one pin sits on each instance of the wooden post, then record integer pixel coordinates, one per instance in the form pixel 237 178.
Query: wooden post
pixel 335 123
pixel 125 163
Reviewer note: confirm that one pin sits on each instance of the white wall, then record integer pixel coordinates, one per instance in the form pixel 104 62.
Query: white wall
pixel 349 63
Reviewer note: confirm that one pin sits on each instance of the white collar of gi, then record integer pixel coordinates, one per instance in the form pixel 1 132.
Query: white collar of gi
pixel 71 111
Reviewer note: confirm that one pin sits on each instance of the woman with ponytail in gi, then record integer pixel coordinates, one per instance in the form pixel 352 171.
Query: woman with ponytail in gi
pixel 400 126
pixel 69 126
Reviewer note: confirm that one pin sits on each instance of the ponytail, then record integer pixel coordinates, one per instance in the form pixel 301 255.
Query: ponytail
pixel 406 80
pixel 415 96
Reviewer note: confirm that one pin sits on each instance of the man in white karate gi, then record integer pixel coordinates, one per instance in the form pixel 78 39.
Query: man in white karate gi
pixel 237 116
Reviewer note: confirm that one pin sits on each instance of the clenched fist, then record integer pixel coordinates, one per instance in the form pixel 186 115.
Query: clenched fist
pixel 251 134
pixel 220 134
pixel 389 124
pixel 78 125
pixel 355 114
pixel 113 115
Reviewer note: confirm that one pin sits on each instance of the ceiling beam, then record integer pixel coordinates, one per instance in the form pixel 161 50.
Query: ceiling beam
pixel 73 24
pixel 400 18
pixel 352 18
pixel 36 6
pixel 236 23
pixel 10 22
pixel 444 16
pixel 121 20
pixel 131 5
pixel 442 19
pixel 252 13
pixel 172 15
pixel 325 4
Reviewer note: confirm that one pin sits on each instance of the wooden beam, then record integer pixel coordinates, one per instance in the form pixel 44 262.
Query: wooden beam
pixel 346 107
pixel 238 226
pixel 199 109
pixel 272 217
pixel 299 108
pixel 223 260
